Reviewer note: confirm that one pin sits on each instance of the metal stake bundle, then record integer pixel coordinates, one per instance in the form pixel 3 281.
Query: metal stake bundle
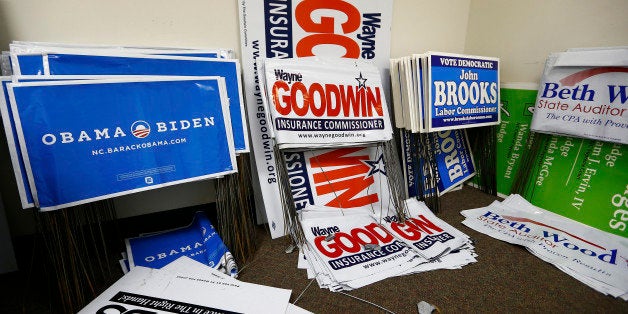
pixel 424 161
pixel 234 211
pixel 483 145
pixel 76 254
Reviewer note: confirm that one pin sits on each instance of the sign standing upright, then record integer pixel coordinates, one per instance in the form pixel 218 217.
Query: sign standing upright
pixel 292 29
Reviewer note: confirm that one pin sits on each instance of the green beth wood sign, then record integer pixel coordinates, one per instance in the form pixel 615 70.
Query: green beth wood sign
pixel 581 179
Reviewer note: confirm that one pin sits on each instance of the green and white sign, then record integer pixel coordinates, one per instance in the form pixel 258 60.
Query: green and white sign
pixel 517 106
pixel 582 179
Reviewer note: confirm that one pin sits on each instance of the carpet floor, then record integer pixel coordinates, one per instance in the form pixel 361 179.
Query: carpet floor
pixel 506 278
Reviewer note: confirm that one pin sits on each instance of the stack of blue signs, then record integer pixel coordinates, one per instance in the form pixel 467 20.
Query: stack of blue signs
pixel 442 94
pixel 89 124
pixel 438 91
pixel 55 63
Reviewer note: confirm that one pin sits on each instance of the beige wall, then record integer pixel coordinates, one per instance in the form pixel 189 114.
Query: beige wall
pixel 192 23
pixel 515 31
pixel 419 26
pixel 523 33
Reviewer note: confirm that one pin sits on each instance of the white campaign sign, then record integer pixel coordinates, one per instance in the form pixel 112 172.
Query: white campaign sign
pixel 592 256
pixel 187 286
pixel 354 29
pixel 320 103
pixel 584 94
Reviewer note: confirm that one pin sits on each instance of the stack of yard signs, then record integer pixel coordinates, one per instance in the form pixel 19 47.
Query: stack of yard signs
pixel 329 118
pixel 349 249
pixel 57 63
pixel 443 91
pixel 89 123
pixel 326 114
pixel 441 94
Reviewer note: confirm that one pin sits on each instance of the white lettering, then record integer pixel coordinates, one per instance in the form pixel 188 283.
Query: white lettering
pixel 51 139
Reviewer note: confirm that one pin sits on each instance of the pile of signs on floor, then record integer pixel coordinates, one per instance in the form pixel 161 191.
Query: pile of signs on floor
pixel 594 257
pixel 187 286
pixel 348 249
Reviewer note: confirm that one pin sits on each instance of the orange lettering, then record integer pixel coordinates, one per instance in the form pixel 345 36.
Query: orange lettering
pixel 283 110
pixel 304 10
pixel 305 47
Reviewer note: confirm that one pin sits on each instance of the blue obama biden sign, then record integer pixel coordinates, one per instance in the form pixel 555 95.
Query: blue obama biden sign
pixel 62 64
pixel 88 140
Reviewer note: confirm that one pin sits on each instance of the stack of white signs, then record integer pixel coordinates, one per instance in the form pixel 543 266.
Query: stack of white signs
pixel 122 119
pixel 324 103
pixel 583 92
pixel 594 257
pixel 187 286
pixel 348 249
pixel 338 104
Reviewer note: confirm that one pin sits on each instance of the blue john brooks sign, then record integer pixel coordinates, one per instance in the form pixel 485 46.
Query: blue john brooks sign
pixel 464 91
pixel 90 140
